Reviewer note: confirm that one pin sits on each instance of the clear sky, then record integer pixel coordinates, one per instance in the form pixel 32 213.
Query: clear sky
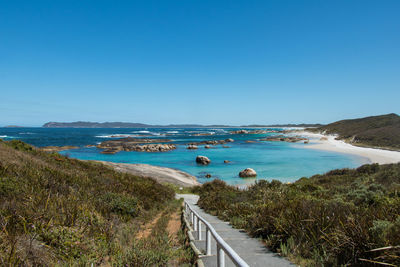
pixel 209 62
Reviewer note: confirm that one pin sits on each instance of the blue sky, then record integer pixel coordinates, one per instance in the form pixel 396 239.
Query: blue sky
pixel 209 62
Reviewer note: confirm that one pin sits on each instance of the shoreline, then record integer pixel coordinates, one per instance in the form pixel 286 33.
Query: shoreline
pixel 160 174
pixel 372 155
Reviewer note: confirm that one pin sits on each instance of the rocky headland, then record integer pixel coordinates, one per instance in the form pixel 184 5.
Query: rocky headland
pixel 160 174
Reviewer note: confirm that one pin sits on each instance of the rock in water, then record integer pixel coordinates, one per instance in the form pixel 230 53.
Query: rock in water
pixel 226 161
pixel 191 147
pixel 229 140
pixel 208 175
pixel 247 173
pixel 203 160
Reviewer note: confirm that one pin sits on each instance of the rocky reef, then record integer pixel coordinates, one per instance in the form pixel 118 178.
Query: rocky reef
pixel 281 138
pixel 135 144
pixel 211 142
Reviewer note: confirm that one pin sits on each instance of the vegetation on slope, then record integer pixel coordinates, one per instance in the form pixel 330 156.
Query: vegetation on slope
pixel 326 220
pixel 60 211
pixel 376 131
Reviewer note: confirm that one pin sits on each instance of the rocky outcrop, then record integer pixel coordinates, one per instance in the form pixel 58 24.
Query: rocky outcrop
pixel 160 174
pixel 229 140
pixel 247 173
pixel 203 160
pixel 281 138
pixel 191 147
pixel 240 132
pixel 211 142
pixel 135 144
pixel 207 146
pixel 57 148
pixel 141 148
pixel 226 161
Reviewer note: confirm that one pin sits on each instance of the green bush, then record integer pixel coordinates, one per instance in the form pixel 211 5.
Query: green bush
pixel 333 219
pixel 120 204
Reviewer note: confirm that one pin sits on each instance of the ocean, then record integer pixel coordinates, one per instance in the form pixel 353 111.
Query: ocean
pixel 282 161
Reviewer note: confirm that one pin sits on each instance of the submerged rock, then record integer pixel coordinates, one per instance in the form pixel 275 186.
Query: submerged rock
pixel 203 160
pixel 247 173
pixel 226 161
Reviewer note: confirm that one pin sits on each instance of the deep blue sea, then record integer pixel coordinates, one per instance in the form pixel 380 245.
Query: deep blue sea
pixel 272 160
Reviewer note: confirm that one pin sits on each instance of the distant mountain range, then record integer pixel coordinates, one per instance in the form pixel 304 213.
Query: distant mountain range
pixel 86 124
pixel 376 131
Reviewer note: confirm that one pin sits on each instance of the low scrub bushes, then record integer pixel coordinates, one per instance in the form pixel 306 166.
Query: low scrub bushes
pixel 326 220
pixel 56 210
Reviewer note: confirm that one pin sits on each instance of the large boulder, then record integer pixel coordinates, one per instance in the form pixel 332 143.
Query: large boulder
pixel 203 160
pixel 229 140
pixel 247 173
pixel 240 132
pixel 191 147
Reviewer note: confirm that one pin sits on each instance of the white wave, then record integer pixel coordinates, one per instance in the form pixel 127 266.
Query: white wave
pixel 27 133
pixel 140 132
pixel 219 130
pixel 3 136
pixel 172 132
pixel 116 135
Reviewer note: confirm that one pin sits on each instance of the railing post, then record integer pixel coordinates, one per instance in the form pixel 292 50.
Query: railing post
pixel 195 223
pixel 199 228
pixel 191 217
pixel 220 256
pixel 208 241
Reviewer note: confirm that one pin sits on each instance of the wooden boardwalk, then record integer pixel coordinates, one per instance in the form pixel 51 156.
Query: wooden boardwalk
pixel 251 250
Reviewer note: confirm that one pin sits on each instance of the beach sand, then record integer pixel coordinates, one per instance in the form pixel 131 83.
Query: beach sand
pixel 373 155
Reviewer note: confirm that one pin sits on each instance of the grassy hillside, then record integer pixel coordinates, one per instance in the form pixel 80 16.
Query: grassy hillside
pixel 60 211
pixel 326 220
pixel 377 131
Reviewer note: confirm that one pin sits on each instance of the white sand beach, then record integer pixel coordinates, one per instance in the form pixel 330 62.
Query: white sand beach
pixel 373 155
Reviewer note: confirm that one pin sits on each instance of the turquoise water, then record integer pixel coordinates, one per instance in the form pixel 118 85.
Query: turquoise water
pixel 272 160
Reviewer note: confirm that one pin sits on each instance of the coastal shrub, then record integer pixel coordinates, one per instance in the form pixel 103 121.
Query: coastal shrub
pixel 60 211
pixel 120 204
pixel 326 220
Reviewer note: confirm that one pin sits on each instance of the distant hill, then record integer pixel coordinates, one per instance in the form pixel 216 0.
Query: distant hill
pixel 376 131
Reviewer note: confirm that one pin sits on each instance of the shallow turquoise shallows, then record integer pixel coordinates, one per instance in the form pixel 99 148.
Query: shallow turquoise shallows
pixel 272 160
